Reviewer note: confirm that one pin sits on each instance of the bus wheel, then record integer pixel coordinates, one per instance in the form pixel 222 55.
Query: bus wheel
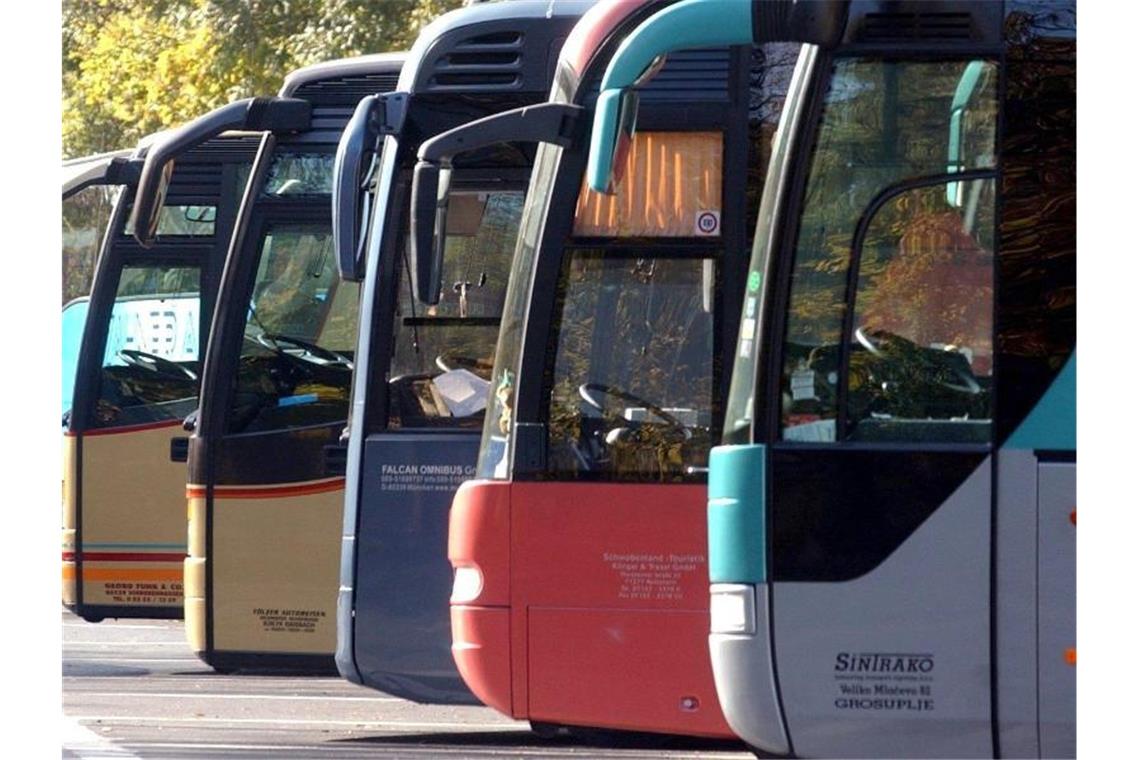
pixel 94 618
pixel 548 730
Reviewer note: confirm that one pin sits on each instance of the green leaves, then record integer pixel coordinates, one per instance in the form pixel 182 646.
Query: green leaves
pixel 132 67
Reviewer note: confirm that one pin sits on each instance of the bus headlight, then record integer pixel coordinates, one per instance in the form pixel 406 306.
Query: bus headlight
pixel 468 584
pixel 732 608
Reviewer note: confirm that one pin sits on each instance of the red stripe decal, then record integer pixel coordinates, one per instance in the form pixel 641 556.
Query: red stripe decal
pixel 123 557
pixel 278 492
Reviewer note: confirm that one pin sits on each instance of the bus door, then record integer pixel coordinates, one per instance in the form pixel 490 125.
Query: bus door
pixel 897 547
pixel 284 392
pixel 880 466
pixel 137 378
pixel 610 576
pixel 434 385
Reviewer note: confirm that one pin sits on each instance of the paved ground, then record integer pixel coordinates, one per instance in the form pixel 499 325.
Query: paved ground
pixel 133 689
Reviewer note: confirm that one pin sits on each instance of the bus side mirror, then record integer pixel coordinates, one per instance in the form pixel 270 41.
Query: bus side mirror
pixel 154 210
pixel 357 156
pixel 349 191
pixel 614 123
pixel 431 184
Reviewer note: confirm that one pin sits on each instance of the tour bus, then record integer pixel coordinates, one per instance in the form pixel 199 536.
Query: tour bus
pixel 891 516
pixel 136 376
pixel 579 592
pixel 264 512
pixel 421 374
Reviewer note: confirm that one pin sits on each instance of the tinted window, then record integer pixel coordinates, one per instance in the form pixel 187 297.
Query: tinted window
pixel 190 221
pixel 85 218
pixel 631 393
pixel 443 354
pixel 300 174
pixel 921 363
pixel 150 364
pixel 883 122
pixel 296 361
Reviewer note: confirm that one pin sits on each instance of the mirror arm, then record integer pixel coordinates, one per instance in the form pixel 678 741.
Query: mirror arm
pixel 119 171
pixel 375 117
pixel 555 123
pixel 250 114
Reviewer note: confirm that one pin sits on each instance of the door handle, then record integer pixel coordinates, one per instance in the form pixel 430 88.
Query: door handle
pixel 179 449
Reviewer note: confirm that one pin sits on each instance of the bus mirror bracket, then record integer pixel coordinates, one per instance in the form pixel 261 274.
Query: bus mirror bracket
pixel 691 24
pixel 279 115
pixel 555 123
pixel 357 156
pixel 119 171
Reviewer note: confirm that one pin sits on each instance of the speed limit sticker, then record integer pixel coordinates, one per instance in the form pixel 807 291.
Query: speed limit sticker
pixel 708 223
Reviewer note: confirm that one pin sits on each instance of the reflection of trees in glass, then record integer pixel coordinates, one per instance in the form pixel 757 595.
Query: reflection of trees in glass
pixel 300 174
pixel 158 281
pixel 295 278
pixel 883 122
pixel 924 276
pixel 635 326
pixel 85 218
pixel 769 75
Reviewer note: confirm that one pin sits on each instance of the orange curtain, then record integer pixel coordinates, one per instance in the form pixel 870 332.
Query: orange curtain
pixel 670 179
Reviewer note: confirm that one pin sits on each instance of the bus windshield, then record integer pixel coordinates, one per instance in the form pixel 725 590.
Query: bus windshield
pixel 442 354
pixel 296 360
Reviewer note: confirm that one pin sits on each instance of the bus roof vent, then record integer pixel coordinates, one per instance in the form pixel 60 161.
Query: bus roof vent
pixel 346 90
pixel 688 75
pixel 916 25
pixel 489 61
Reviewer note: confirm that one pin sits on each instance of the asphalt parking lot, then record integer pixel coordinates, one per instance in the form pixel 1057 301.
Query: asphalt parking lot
pixel 132 688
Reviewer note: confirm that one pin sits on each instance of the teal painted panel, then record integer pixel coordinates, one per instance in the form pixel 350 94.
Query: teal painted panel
pixel 603 140
pixel 738 548
pixel 688 24
pixel 1052 424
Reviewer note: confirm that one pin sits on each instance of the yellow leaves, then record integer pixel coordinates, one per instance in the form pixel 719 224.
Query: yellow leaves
pixel 132 67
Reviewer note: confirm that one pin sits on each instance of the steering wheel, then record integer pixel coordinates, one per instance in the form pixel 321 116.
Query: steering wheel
pixel 312 351
pixel 586 391
pixel 447 363
pixel 152 363
pixel 968 383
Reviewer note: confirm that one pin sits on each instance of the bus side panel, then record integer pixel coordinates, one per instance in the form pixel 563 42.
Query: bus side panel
pixel 1057 607
pixel 615 580
pixel 402 622
pixel 194 568
pixel 1015 608
pixel 275 555
pixel 134 528
pixel 896 663
pixel 70 444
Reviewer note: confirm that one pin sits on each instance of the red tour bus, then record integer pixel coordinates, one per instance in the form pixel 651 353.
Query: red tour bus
pixel 580 595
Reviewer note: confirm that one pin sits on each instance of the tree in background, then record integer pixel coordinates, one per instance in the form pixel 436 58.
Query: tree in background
pixel 132 67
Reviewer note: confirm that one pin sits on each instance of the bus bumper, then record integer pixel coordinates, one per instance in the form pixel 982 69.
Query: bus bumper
pixel 481 646
pixel 744 674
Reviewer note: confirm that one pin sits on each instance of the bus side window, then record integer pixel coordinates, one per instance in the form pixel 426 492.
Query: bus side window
pixel 921 347
pixel 883 123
